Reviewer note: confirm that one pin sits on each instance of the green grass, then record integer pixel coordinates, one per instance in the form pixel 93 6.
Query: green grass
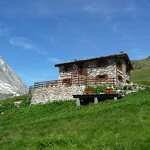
pixel 141 72
pixel 122 124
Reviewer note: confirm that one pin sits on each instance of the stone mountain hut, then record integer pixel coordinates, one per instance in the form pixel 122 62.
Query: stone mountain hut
pixel 75 75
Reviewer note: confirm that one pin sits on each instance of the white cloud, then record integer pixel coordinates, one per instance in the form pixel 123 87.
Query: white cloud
pixel 44 53
pixel 21 42
pixel 4 31
pixel 54 60
pixel 109 10
pixel 98 7
pixel 26 44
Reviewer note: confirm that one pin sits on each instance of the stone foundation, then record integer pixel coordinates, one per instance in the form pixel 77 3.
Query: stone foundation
pixel 58 93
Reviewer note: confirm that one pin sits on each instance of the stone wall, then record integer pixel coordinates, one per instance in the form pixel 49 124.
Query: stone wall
pixel 58 93
pixel 110 70
pixel 122 73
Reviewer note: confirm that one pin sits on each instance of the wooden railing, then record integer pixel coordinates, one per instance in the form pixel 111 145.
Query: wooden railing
pixel 72 82
pixel 47 83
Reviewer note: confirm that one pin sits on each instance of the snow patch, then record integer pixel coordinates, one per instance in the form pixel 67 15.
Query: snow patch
pixel 2 62
pixel 4 69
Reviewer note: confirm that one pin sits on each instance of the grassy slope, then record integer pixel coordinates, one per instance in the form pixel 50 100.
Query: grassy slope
pixel 123 124
pixel 141 72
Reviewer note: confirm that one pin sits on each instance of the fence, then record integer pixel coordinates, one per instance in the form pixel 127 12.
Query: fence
pixel 47 83
pixel 72 82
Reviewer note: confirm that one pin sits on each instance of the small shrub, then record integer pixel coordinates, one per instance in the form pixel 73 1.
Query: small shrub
pixel 8 103
pixel 118 87
pixel 125 87
pixel 26 101
pixel 147 88
pixel 100 89
pixel 95 89
pixel 90 88
pixel 6 106
pixel 129 88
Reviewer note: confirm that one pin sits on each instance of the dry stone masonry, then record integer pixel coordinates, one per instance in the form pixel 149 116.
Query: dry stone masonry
pixel 58 93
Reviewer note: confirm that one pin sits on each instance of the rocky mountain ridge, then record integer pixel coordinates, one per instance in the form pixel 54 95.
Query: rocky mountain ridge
pixel 10 83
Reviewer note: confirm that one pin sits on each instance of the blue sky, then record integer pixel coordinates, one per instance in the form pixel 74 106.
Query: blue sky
pixel 37 34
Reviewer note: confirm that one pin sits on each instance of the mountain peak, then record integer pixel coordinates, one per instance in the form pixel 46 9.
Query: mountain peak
pixel 1 57
pixel 2 61
pixel 10 83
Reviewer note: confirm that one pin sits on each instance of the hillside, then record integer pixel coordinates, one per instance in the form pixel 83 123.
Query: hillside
pixel 122 124
pixel 141 72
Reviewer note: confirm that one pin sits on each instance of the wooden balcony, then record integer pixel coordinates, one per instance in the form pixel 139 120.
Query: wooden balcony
pixel 77 82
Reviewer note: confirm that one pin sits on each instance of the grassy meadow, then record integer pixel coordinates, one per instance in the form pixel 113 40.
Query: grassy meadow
pixel 121 124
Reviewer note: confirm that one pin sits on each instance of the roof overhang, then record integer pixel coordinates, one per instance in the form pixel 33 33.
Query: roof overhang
pixel 117 56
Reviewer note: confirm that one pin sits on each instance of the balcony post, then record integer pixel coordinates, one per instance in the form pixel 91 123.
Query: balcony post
pixel 77 102
pixel 95 100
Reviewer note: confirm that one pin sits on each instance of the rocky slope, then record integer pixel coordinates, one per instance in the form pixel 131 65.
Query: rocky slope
pixel 10 83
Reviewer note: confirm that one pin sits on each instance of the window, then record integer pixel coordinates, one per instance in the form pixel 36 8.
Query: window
pixel 127 71
pixel 120 78
pixel 80 69
pixel 80 66
pixel 65 68
pixel 101 77
pixel 66 81
pixel 119 65
pixel 61 69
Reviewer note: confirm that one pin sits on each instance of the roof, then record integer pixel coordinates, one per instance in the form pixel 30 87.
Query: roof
pixel 121 55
